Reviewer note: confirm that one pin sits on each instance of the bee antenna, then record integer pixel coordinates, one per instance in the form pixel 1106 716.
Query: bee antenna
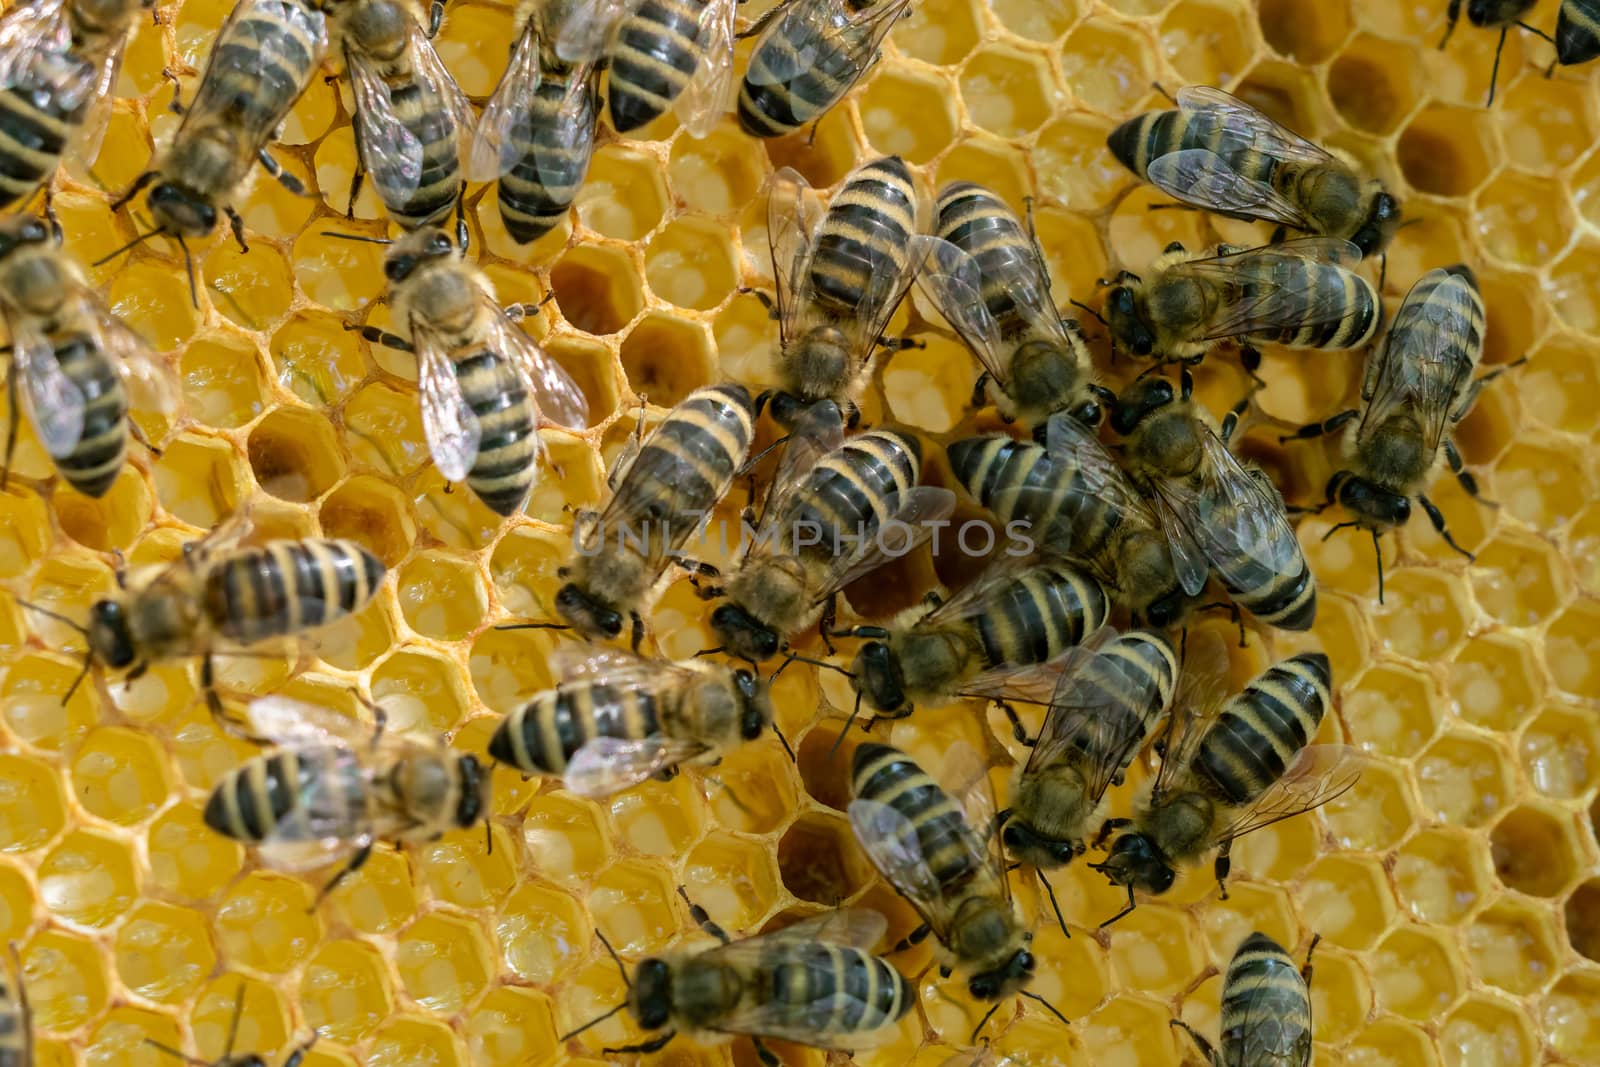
pixel 534 626
pixel 1377 552
pixel 784 741
pixel 1050 892
pixel 1051 1008
pixel 233 1026
pixel 711 652
pixel 1085 307
pixel 985 1020
pixel 175 1054
pixel 790 657
pixel 597 1020
pixel 363 238
pixel 188 266
pixel 115 252
pixel 855 713
pixel 88 653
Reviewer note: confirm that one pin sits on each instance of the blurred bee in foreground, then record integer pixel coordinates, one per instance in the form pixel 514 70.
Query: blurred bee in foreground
pixel 536 135
pixel 837 510
pixel 616 720
pixel 333 785
pixel 218 591
pixel 1070 499
pixel 1212 507
pixel 1105 705
pixel 1300 294
pixel 1577 33
pixel 1217 153
pixel 486 386
pixel 73 360
pixel 228 1058
pixel 659 54
pixel 943 856
pixel 998 638
pixel 16 1017
pixel 662 493
pixel 1266 1009
pixel 412 122
pixel 1229 767
pixel 839 276
pixel 815 983
pixel 59 61
pixel 987 277
pixel 263 58
pixel 1418 384
pixel 810 53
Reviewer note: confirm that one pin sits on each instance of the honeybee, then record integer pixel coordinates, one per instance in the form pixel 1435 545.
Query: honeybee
pixel 842 996
pixel 1491 15
pixel 1072 501
pixel 836 511
pixel 263 58
pixel 659 54
pixel 218 591
pixel 988 279
pixel 943 857
pixel 996 638
pixel 1213 507
pixel 1577 32
pixel 809 54
pixel 1217 153
pixel 839 276
pixel 16 1017
pixel 333 786
pixel 1418 384
pixel 1266 1009
pixel 59 61
pixel 412 121
pixel 663 490
pixel 1229 767
pixel 1300 294
pixel 486 386
pixel 616 720
pixel 228 1059
pixel 537 131
pixel 72 359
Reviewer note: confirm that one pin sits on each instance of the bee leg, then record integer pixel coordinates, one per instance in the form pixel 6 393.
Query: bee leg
pixel 765 1054
pixel 291 183
pixel 138 435
pixel 1250 360
pixel 1437 518
pixel 1318 429
pixel 1305 969
pixel 655 1044
pixel 1206 1051
pixel 703 919
pixel 899 344
pixel 1230 421
pixel 1124 913
pixel 435 18
pixel 1471 395
pixel 1450 19
pixel 1494 72
pixel 1162 89
pixel 1107 828
pixel 1050 894
pixel 168 74
pixel 766 301
pixel 15 425
pixel 826 628
pixel 1222 866
pixel 1018 731
pixel 236 224
pixel 762 22
pixel 299 1054
pixel 638 630
pixel 1464 476
pixel 914 938
pixel 357 861
pixel 373 335
pixel 133 190
pixel 56 232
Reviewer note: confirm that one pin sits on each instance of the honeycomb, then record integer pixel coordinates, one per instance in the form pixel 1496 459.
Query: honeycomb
pixel 1457 889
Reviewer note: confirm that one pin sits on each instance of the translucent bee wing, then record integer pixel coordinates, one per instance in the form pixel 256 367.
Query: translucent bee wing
pixel 247 54
pixel 1283 294
pixel 1189 560
pixel 391 153
pixel 29 32
pixel 816 29
pixel 890 842
pixel 710 92
pixel 552 388
pixel 818 431
pixel 965 777
pixel 1204 179
pixel 506 123
pixel 84 143
pixel 448 421
pixel 910 515
pixel 853 927
pixel 577 662
pixel 809 1021
pixel 294 722
pixel 883 292
pixel 153 385
pixel 1421 364
pixel 327 816
pixel 792 221
pixel 1203 691
pixel 607 765
pixel 1320 773
pixel 1246 126
pixel 439 85
pixel 953 282
pixel 55 403
pixel 583 36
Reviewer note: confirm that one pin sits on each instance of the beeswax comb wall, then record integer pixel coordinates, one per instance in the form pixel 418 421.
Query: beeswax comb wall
pixel 1457 888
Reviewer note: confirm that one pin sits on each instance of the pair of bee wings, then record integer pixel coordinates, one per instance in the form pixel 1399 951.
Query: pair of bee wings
pixel 818 432
pixel 390 148
pixel 1226 520
pixel 1206 179
pixel 607 765
pixel 583 37
pixel 953 281
pixel 815 1021
pixel 1423 364
pixel 448 421
pixel 514 132
pixel 36 56
pixel 833 34
pixel 218 98
pixel 1282 281
pixel 793 219
pixel 55 402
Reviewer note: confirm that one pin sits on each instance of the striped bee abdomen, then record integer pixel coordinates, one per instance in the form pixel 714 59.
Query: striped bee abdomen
pixel 1287 601
pixel 543 735
pixel 431 123
pixel 770 106
pixel 251 85
pixel 1019 482
pixel 1348 309
pixel 888 776
pixel 653 57
pixel 253 799
pixel 866 231
pixel 289 587
pixel 38 113
pixel 688 463
pixel 1437 299
pixel 1578 32
pixel 535 194
pixel 1261 730
pixel 93 464
pixel 1266 1008
pixel 979 223
pixel 867 992
pixel 507 464
pixel 1144 138
pixel 1040 615
pixel 848 493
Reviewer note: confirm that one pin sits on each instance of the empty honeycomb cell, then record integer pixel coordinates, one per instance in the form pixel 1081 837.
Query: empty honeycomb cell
pixel 253 289
pixel 66 979
pixel 1391 710
pixel 354 641
pixel 1464 780
pixel 511 1027
pixel 32 808
pixel 898 91
pixel 153 298
pixel 344 990
pixel 1139 235
pixel 666 359
pixel 658 818
pixel 1006 91
pixel 1207 44
pixel 1425 242
pixel 120 775
pixel 1417 973
pixel 1513 946
pixel 89 878
pixel 691 263
pixel 163 952
pixel 337 274
pixel 461 44
pixel 1518 580
pixel 16 903
pixel 1249 907
pixel 1535 850
pixel 377 899
pixel 441 596
pixel 222 381
pixel 1561 753
pixel 820 861
pixel 317 358
pixel 1447 151
pixel 1522 219
pixel 1571 649
pixel 1546 124
pixel 735 880
pixel 1568 1017
pixel 941 32
pixel 1374 815
pixel 633 905
pixel 1554 384
pixel 1572 296
pixel 1108 69
pixel 1347 900
pixel 26 531
pixel 1154 950
pixel 1306 34
pixel 820 765
pixel 460 868
pixel 264 921
pixel 1074 167
pixel 747 338
pixel 1391 1042
pixel 443 961
pixel 186 856
pixel 597 288
pixel 383 428
pixel 565 834
pixel 929 387
pixel 1582 913
pixel 294 454
pixel 409 1039
pixel 1495 681
pixel 1424 613
pixel 106 523
pixel 1072 255
pixel 1485 1030
pixel 524 567
pixel 624 195
pixel 199 479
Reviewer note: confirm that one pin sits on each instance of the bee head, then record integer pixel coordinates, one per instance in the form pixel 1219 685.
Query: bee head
pixel 474 791
pixel 182 211
pixel 878 678
pixel 1140 400
pixel 21 231
pixel 1027 845
pixel 786 409
pixel 1007 978
pixel 742 635
pixel 110 640
pixel 1135 861
pixel 651 996
pixel 755 704
pixel 1128 328
pixel 1374 506
pixel 427 245
pixel 1383 218
pixel 1092 406
pixel 586 614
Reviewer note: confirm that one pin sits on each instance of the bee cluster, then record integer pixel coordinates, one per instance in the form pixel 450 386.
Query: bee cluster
pixel 1117 510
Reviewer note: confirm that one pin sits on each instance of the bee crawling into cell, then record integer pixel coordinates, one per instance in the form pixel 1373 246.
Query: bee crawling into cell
pixel 815 983
pixel 333 786
pixel 1266 1009
pixel 229 1058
